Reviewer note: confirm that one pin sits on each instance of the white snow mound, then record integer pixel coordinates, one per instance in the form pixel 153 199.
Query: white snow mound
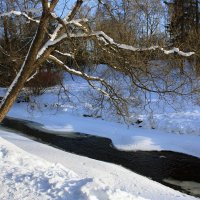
pixel 28 177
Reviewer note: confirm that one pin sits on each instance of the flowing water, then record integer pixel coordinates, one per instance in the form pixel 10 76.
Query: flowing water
pixel 176 170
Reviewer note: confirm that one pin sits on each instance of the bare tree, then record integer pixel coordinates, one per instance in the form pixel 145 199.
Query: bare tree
pixel 47 41
pixel 150 15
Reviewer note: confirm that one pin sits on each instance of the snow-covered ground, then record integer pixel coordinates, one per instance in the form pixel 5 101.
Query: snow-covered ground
pixel 174 114
pixel 26 176
pixel 173 130
pixel 30 170
pixel 123 137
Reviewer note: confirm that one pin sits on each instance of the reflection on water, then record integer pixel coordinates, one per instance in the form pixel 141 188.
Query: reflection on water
pixel 190 186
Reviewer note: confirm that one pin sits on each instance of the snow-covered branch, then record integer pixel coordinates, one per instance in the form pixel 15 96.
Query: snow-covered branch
pixel 77 22
pixel 111 92
pixel 31 77
pixel 18 13
pixel 65 54
pixel 67 18
pixel 109 41
pixel 73 71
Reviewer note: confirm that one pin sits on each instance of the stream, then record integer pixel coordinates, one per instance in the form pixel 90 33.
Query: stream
pixel 176 170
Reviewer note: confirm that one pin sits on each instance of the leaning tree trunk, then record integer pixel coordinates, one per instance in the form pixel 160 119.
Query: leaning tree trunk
pixel 26 69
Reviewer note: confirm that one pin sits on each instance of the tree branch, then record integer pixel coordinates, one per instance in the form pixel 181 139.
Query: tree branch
pixel 45 5
pixel 111 92
pixel 18 13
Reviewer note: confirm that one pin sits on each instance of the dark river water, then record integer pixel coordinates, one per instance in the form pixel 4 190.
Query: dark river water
pixel 176 170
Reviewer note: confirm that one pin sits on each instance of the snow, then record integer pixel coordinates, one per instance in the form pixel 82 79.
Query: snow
pixel 175 131
pixel 123 137
pixel 31 170
pixel 77 23
pixel 108 40
pixel 65 54
pixel 68 68
pixel 31 77
pixel 24 176
pixel 176 50
pixel 52 41
pixel 102 37
pixel 19 13
pixel 188 185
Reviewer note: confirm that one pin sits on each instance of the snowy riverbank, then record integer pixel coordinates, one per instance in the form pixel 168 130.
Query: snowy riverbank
pixel 30 170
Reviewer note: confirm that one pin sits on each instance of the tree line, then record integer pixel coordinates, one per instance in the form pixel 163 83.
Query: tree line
pixel 55 36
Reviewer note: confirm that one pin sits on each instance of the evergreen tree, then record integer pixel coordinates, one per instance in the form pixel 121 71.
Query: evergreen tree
pixel 183 20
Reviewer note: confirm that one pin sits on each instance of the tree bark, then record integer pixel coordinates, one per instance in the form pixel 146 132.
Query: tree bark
pixel 31 62
pixel 26 69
